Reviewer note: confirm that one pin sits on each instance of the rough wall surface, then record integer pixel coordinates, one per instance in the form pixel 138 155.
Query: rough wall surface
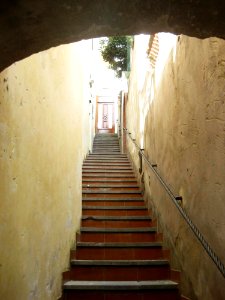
pixel 41 154
pixel 179 118
pixel 30 26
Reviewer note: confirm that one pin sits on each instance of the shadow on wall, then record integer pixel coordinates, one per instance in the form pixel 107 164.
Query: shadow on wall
pixel 179 119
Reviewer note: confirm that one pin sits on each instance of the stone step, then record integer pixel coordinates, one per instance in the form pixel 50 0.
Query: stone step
pixel 106 149
pixel 108 159
pixel 103 180
pixel 108 154
pixel 106 144
pixel 117 218
pixel 108 167
pixel 89 191
pixel 114 202
pixel 108 175
pixel 147 262
pixel 107 162
pixel 92 207
pixel 118 230
pixel 120 245
pixel 121 285
pixel 108 171
pixel 138 199
pixel 97 185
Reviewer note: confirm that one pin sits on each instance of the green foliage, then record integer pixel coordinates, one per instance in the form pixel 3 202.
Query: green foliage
pixel 114 50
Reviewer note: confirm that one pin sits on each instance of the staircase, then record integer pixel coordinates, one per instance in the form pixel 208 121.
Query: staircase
pixel 119 253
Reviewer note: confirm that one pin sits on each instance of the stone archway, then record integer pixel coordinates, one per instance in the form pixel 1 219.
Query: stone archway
pixel 27 27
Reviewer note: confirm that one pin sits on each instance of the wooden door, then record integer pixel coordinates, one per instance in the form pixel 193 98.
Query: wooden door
pixel 105 118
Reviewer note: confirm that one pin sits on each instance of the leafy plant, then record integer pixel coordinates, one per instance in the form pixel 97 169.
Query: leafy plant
pixel 115 50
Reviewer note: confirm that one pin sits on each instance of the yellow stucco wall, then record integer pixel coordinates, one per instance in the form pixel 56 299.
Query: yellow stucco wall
pixel 42 146
pixel 178 116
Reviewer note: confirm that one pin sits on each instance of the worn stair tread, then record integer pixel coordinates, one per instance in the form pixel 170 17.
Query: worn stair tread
pixel 118 230
pixel 114 207
pixel 112 154
pixel 89 191
pixel 109 175
pixel 107 159
pixel 103 180
pixel 114 199
pixel 107 171
pixel 121 285
pixel 107 155
pixel 117 218
pixel 146 262
pixel 120 245
pixel 107 167
pixel 117 198
pixel 110 186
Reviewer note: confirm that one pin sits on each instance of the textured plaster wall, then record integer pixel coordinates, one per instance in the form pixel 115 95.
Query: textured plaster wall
pixel 177 113
pixel 42 115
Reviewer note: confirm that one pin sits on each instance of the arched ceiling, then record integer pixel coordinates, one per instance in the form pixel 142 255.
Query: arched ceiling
pixel 30 26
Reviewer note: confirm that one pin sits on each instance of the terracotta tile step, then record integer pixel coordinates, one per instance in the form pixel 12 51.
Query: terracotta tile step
pixel 117 198
pixel 106 167
pixel 106 149
pixel 107 159
pixel 104 202
pixel 93 222
pixel 122 208
pixel 106 176
pixel 106 152
pixel 106 251
pixel 125 235
pixel 115 181
pixel 119 237
pixel 127 185
pixel 112 196
pixel 111 191
pixel 114 212
pixel 125 171
pixel 106 163
pixel 110 185
pixel 107 156
pixel 121 295
pixel 115 218
pixel 116 230
pixel 118 270
pixel 106 143
pixel 105 146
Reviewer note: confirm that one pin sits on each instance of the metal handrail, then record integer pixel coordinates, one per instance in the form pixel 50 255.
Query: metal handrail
pixel 176 200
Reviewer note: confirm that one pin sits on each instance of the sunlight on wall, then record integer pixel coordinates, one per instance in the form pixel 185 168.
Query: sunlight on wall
pixel 167 43
pixel 146 86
